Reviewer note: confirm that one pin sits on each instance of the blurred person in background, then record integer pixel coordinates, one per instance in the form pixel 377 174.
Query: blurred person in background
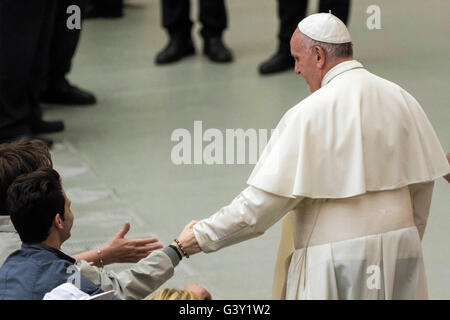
pixel 63 45
pixel 26 29
pixel 175 19
pixel 36 49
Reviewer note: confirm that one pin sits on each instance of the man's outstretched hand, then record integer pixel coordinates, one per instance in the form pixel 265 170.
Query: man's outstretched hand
pixel 121 250
pixel 187 239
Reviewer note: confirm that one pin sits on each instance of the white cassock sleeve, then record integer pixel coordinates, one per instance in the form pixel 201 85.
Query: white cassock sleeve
pixel 249 215
pixel 421 194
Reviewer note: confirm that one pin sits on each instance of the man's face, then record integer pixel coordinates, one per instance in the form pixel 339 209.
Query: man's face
pixel 68 218
pixel 305 63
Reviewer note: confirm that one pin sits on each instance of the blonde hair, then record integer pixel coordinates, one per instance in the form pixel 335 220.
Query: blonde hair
pixel 174 294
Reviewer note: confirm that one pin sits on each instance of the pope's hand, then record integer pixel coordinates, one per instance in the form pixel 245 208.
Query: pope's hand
pixel 187 239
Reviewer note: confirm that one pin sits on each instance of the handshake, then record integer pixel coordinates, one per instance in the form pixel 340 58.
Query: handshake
pixel 186 244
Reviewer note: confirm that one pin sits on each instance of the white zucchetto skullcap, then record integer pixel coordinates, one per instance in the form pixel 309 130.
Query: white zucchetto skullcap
pixel 325 27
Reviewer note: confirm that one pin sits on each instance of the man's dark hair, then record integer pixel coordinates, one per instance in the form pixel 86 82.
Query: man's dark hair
pixel 33 200
pixel 17 158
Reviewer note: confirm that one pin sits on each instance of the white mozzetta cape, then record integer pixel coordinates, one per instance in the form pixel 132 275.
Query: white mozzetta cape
pixel 357 133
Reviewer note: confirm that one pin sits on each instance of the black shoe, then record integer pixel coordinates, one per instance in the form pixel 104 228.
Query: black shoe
pixel 41 126
pixel 175 50
pixel 280 61
pixel 67 94
pixel 216 51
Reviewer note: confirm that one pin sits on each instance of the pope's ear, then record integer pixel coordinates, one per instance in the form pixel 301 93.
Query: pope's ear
pixel 320 56
pixel 58 221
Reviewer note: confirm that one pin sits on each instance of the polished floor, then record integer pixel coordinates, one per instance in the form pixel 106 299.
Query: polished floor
pixel 115 157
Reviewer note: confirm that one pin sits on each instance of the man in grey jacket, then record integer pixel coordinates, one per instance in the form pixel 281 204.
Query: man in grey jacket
pixel 153 267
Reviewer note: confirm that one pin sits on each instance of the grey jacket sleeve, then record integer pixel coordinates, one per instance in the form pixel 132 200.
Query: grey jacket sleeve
pixel 137 282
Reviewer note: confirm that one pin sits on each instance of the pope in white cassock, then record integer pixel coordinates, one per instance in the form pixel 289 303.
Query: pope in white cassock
pixel 351 168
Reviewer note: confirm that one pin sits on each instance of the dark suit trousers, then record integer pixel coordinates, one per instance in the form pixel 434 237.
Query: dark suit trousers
pixel 36 50
pixel 175 18
pixel 25 34
pixel 63 43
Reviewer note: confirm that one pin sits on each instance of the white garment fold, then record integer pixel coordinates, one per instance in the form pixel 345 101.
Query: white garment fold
pixel 382 266
pixel 421 194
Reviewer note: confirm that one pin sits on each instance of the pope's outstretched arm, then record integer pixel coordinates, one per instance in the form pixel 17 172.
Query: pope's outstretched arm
pixel 249 215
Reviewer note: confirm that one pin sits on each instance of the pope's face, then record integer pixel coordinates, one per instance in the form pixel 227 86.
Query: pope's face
pixel 305 61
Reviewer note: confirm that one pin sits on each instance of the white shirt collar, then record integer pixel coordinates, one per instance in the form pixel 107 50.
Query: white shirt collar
pixel 340 68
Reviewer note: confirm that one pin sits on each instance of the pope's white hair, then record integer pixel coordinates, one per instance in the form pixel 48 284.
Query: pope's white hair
pixel 339 50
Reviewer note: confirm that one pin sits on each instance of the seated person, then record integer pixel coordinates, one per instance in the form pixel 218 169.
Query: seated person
pixel 142 279
pixel 40 212
pixel 25 156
